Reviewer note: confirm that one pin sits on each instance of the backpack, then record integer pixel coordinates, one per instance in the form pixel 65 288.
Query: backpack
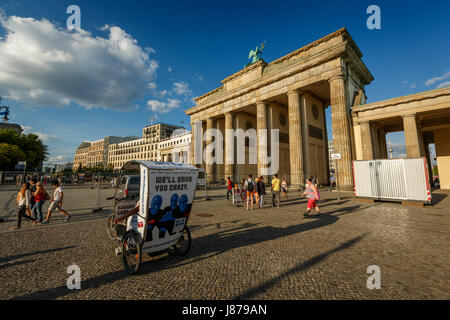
pixel 318 195
pixel 250 186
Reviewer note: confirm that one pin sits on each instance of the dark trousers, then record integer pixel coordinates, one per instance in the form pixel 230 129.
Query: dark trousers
pixel 22 213
pixel 277 195
pixel 228 194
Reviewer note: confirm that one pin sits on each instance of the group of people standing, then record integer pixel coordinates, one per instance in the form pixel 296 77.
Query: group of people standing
pixel 31 199
pixel 256 189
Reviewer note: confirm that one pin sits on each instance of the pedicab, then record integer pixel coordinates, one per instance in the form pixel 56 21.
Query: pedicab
pixel 156 221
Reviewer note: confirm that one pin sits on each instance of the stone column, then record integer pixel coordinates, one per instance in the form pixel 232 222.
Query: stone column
pixel 375 144
pixel 209 165
pixel 412 143
pixel 366 141
pixel 229 145
pixel 341 131
pixel 261 127
pixel 196 142
pixel 295 140
pixel 382 141
pixel 304 137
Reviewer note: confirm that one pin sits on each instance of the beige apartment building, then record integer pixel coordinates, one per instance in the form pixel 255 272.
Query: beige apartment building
pixel 145 148
pixel 176 148
pixel 81 156
pixel 92 154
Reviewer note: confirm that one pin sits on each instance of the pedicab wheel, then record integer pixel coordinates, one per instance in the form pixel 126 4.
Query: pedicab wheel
pixel 112 232
pixel 131 252
pixel 184 244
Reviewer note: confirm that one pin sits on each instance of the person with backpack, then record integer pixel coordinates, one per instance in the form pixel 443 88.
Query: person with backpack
pixel 250 189
pixel 40 196
pixel 229 188
pixel 312 194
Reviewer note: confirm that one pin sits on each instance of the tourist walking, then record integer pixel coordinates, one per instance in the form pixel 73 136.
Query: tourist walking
pixel 332 183
pixel 23 201
pixel 276 189
pixel 33 182
pixel 249 188
pixel 284 188
pixel 229 188
pixel 261 190
pixel 312 194
pixel 56 203
pixel 40 196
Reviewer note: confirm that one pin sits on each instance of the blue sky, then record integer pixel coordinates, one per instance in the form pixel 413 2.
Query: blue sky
pixel 190 46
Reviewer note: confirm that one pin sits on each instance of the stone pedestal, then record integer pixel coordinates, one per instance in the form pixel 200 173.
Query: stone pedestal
pixel 295 140
pixel 341 131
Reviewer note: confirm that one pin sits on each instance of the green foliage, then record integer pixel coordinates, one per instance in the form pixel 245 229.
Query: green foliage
pixel 16 147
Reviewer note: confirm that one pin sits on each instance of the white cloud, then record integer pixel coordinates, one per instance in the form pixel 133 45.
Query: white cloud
pixel 155 92
pixel 169 69
pixel 163 106
pixel 43 136
pixel 434 80
pixel 444 84
pixel 58 159
pixel 44 65
pixel 413 86
pixel 181 88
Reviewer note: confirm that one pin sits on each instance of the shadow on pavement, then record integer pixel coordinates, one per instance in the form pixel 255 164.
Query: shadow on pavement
pixel 8 265
pixel 208 246
pixel 251 293
pixel 437 198
pixel 6 259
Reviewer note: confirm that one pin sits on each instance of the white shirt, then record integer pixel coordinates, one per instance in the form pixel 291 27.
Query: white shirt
pixel 25 199
pixel 57 195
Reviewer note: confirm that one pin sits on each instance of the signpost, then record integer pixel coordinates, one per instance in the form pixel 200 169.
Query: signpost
pixel 22 165
pixel 337 156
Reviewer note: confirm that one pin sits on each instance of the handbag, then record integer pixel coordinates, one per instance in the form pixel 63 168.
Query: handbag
pixel 47 196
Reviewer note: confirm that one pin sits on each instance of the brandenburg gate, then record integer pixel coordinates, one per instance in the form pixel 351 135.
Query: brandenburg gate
pixel 289 94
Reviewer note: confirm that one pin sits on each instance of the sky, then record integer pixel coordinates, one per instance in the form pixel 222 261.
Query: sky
pixel 132 59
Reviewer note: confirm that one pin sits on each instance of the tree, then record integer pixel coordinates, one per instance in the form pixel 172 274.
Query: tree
pixel 31 148
pixel 9 156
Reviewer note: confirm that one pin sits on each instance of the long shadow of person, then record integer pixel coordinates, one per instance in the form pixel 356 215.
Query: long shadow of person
pixel 204 247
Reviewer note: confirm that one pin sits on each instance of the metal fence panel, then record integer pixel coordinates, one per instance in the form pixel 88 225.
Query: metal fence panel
pixel 396 179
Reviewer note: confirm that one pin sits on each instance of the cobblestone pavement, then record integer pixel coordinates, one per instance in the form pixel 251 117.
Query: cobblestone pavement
pixel 261 254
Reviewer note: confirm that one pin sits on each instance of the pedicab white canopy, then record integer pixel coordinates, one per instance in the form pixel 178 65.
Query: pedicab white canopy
pixel 167 192
pixel 135 165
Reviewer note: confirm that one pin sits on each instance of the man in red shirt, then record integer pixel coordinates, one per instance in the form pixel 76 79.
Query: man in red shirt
pixel 230 188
